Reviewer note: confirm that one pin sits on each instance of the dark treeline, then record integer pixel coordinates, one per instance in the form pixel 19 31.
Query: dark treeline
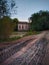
pixel 40 21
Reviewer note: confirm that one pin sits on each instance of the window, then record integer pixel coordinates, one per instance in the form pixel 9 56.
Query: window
pixel 19 26
pixel 22 26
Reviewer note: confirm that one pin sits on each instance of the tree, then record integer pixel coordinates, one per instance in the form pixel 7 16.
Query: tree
pixel 15 21
pixel 6 27
pixel 40 21
pixel 6 24
pixel 5 7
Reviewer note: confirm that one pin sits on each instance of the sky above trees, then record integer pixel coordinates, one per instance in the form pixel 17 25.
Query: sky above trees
pixel 28 7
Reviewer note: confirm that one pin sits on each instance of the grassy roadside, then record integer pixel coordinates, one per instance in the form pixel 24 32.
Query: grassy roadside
pixel 16 36
pixel 10 39
pixel 32 33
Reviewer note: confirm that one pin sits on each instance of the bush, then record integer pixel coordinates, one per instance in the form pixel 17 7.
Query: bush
pixel 15 21
pixel 6 27
pixel 32 33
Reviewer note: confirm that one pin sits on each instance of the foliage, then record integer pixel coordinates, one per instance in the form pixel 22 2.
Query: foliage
pixel 32 33
pixel 6 7
pixel 15 21
pixel 40 21
pixel 6 27
pixel 10 39
pixel 6 24
pixel 3 8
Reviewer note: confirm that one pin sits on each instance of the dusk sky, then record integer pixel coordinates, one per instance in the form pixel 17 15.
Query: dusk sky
pixel 27 7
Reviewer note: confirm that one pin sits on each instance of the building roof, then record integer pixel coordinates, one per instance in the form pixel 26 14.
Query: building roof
pixel 23 22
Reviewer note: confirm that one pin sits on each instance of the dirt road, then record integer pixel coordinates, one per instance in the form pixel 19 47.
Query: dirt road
pixel 46 57
pixel 31 50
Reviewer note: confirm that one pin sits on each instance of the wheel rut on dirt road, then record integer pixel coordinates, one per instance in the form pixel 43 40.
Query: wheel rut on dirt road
pixel 46 57
pixel 6 53
pixel 30 54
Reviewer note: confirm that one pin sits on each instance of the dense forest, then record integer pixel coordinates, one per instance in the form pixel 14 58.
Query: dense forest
pixel 40 21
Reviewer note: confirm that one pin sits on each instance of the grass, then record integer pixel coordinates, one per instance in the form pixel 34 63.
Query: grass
pixel 10 39
pixel 32 33
pixel 19 36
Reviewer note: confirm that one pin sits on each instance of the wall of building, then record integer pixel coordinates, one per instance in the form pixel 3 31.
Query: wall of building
pixel 23 26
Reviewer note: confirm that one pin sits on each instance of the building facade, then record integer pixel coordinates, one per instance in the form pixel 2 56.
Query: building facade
pixel 23 26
